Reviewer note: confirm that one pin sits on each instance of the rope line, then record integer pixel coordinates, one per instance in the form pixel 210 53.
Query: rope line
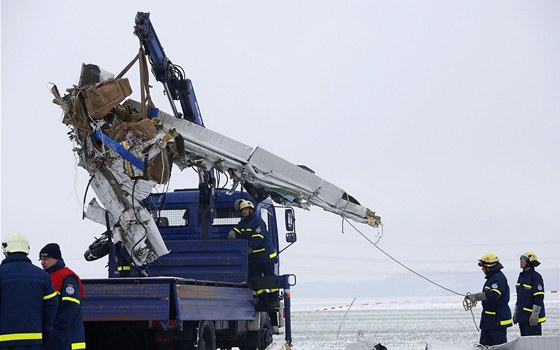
pixel 400 263
pixel 343 317
pixel 467 304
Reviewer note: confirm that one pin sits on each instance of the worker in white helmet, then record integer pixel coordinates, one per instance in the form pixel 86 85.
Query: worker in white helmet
pixel 28 301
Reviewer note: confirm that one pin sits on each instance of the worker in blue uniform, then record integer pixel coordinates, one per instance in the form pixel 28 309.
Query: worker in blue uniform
pixel 529 309
pixel 68 328
pixel 28 300
pixel 262 254
pixel 496 315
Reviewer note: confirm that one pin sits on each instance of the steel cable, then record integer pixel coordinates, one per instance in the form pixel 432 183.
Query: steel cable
pixel 467 304
pixel 400 263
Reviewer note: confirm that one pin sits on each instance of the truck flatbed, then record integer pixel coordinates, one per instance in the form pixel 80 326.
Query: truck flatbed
pixel 166 299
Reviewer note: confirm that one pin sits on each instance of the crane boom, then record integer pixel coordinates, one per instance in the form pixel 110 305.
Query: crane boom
pixel 177 87
pixel 172 76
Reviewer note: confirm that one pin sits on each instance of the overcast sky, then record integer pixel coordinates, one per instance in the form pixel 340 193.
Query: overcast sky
pixel 441 116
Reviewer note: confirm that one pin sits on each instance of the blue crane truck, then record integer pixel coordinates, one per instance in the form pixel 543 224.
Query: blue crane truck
pixel 199 295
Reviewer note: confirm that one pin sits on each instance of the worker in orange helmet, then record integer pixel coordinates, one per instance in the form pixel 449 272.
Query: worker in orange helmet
pixel 496 315
pixel 529 308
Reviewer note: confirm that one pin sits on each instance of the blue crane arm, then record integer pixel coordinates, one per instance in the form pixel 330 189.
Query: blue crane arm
pixel 172 76
pixel 177 87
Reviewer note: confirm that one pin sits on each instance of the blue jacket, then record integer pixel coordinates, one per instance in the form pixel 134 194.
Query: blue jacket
pixel 68 328
pixel 530 291
pixel 495 310
pixel 253 229
pixel 28 302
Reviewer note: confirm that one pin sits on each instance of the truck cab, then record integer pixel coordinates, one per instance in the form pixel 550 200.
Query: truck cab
pixel 176 214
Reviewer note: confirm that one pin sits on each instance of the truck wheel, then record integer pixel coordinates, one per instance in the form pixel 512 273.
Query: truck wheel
pixel 260 339
pixel 206 336
pixel 264 334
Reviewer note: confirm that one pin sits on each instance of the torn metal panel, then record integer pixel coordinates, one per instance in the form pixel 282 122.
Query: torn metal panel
pixel 95 212
pixel 121 197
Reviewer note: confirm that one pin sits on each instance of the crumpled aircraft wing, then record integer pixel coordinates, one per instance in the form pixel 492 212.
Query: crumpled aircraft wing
pixel 263 173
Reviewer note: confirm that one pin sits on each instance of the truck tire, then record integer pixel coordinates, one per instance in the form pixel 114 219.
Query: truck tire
pixel 260 339
pixel 264 336
pixel 206 336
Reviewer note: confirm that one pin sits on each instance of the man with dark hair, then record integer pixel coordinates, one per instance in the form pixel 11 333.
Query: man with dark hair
pixel 529 308
pixel 68 329
pixel 28 300
pixel 496 315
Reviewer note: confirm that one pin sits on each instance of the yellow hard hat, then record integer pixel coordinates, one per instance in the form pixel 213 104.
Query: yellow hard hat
pixel 488 260
pixel 14 243
pixel 531 258
pixel 246 204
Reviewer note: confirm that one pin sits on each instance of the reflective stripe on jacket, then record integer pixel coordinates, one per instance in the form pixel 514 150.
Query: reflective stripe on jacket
pixel 28 302
pixel 68 332
pixel 253 229
pixel 530 291
pixel 495 310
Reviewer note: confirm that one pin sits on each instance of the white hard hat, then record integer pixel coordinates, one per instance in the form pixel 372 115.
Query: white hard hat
pixel 16 242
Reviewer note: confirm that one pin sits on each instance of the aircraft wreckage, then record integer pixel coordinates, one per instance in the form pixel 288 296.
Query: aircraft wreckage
pixel 128 148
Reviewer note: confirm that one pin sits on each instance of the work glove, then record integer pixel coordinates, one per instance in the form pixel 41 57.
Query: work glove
pixel 534 318
pixel 231 234
pixel 476 297
pixel 515 315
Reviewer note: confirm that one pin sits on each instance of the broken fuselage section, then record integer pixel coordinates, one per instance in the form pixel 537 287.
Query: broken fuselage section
pixel 128 148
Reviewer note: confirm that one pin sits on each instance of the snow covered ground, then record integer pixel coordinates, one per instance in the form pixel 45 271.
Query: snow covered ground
pixel 397 323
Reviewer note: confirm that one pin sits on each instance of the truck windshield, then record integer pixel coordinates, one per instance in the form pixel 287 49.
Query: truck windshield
pixel 226 216
pixel 171 217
